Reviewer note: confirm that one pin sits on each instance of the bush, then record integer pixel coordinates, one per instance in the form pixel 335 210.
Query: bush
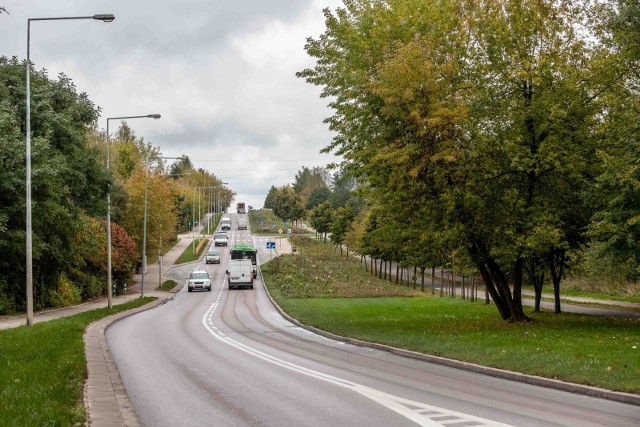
pixel 65 294
pixel 6 305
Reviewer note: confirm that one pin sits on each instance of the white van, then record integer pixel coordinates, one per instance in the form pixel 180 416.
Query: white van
pixel 225 223
pixel 240 273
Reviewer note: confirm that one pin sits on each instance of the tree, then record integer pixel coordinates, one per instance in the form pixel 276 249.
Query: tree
pixel 321 218
pixel 616 224
pixel 181 167
pixel 287 205
pixel 68 178
pixel 270 198
pixel 341 225
pixel 483 114
pixel 318 196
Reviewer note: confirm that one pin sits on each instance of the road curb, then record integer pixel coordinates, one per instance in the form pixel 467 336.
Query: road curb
pixel 616 396
pixel 106 400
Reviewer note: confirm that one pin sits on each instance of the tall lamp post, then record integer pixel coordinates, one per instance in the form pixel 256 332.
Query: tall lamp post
pixel 144 226
pixel 109 286
pixel 29 231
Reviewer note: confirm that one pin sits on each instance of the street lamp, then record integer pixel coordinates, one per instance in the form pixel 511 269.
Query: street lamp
pixel 109 286
pixel 144 226
pixel 29 231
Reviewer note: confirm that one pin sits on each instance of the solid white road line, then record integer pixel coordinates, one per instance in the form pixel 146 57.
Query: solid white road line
pixel 418 412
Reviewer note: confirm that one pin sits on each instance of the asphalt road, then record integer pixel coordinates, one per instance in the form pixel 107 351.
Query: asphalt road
pixel 228 358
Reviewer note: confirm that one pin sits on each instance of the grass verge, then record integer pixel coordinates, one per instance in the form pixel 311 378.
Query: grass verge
pixel 44 368
pixel 167 285
pixel 323 290
pixel 189 255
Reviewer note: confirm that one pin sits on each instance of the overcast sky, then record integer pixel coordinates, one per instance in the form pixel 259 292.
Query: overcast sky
pixel 221 73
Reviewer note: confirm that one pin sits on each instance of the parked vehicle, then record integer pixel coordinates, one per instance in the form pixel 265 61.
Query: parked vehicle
pixel 220 239
pixel 199 280
pixel 240 273
pixel 240 208
pixel 225 223
pixel 212 257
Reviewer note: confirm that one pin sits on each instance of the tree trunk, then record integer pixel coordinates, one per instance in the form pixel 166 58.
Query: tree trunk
pixel 463 295
pixel 433 277
pixel 517 284
pixel 556 261
pixel 538 282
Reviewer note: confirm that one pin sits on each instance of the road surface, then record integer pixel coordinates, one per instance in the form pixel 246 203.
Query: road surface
pixel 228 358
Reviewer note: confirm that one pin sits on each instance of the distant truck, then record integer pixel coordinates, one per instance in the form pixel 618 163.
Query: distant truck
pixel 240 273
pixel 242 224
pixel 240 208
pixel 246 252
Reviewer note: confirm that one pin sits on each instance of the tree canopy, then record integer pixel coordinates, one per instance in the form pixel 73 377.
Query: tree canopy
pixel 476 124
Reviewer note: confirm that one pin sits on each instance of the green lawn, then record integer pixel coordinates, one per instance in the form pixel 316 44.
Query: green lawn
pixel 188 254
pixel 43 369
pixel 168 285
pixel 323 290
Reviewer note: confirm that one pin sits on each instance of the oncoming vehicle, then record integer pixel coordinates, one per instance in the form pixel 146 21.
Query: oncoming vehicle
pixel 220 239
pixel 240 273
pixel 212 257
pixel 225 223
pixel 199 280
pixel 246 252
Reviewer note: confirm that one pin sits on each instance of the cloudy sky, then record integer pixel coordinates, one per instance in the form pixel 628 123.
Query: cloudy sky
pixel 221 73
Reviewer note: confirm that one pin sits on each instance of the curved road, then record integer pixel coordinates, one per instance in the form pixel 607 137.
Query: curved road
pixel 228 358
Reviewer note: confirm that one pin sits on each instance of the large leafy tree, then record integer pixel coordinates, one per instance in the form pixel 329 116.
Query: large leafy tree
pixel 68 178
pixel 616 225
pixel 474 120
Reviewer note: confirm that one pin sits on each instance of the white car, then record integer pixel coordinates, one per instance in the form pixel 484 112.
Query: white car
pixel 220 239
pixel 212 257
pixel 199 280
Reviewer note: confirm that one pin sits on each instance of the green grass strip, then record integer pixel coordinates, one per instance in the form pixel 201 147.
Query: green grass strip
pixel 43 369
pixel 167 285
pixel 189 255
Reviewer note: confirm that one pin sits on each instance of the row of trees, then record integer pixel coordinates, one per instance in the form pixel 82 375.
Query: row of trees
pixel 311 189
pixel 69 193
pixel 500 135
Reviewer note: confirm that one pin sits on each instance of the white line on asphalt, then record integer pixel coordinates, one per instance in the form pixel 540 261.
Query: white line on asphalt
pixel 418 412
